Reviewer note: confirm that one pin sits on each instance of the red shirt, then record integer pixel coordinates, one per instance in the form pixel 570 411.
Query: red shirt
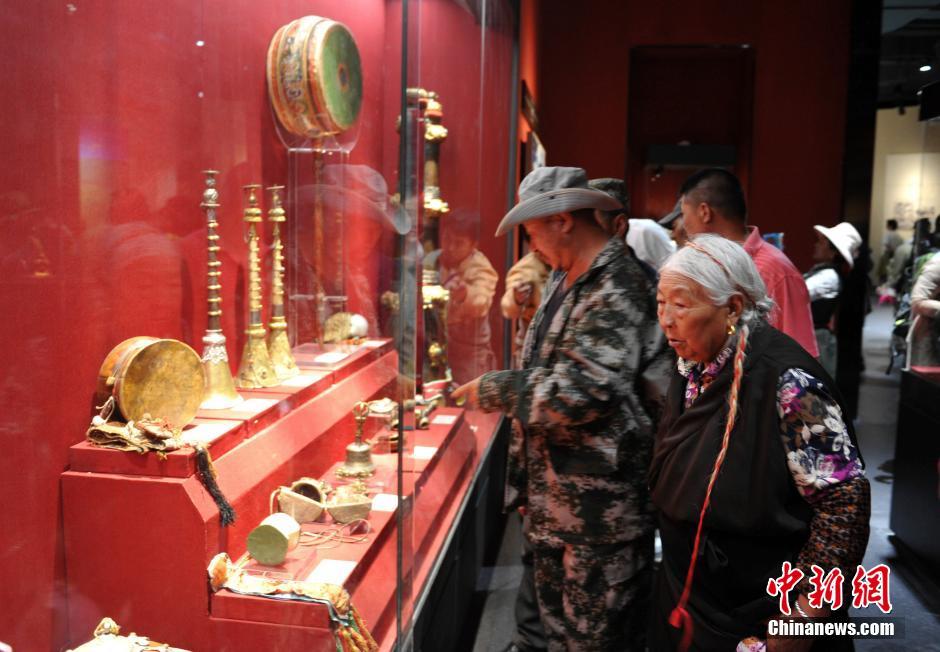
pixel 785 285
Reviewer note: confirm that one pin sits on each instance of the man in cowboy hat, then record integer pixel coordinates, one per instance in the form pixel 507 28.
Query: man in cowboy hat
pixel 581 439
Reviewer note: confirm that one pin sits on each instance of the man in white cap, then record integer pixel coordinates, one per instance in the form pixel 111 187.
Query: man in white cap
pixel 581 439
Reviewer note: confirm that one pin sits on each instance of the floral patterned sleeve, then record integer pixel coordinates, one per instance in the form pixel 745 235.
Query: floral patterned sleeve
pixel 827 472
pixel 820 453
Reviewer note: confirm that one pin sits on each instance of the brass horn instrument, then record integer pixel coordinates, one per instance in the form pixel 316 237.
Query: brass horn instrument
pixel 278 344
pixel 256 369
pixel 220 391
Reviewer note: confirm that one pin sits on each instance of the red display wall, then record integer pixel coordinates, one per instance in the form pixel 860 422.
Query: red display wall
pixel 801 52
pixel 111 111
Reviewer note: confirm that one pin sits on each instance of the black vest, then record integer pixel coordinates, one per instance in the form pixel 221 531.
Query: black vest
pixel 824 309
pixel 757 519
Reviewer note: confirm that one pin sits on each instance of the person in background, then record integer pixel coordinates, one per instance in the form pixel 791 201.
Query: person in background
pixel 614 221
pixel 581 438
pixel 676 225
pixel 890 241
pixel 650 242
pixel 471 280
pixel 924 341
pixel 834 255
pixel 713 202
pixel 734 504
pixel 525 282
pixel 617 222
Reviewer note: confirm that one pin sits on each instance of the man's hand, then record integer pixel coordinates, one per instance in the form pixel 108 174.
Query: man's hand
pixel 469 393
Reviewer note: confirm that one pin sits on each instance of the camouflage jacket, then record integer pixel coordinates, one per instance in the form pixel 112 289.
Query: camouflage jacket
pixel 581 440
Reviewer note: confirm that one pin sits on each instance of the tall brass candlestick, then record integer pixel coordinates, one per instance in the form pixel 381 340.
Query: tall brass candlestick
pixel 220 391
pixel 256 369
pixel 278 344
pixel 434 134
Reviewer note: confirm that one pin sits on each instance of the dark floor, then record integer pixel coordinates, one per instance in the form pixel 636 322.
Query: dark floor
pixel 916 600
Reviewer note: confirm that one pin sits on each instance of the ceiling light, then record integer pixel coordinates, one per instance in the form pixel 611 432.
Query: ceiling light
pixel 926 67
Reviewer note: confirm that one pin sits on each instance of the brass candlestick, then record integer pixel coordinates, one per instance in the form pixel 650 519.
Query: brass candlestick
pixel 256 369
pixel 358 462
pixel 220 391
pixel 278 345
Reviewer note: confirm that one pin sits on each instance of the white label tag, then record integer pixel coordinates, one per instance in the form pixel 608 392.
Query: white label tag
pixel 330 357
pixel 424 452
pixel 204 433
pixel 255 405
pixel 332 571
pixel 373 344
pixel 385 503
pixel 444 420
pixel 303 380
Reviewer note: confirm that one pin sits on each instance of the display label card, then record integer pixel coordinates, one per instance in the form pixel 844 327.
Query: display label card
pixel 330 357
pixel 444 420
pixel 385 503
pixel 332 571
pixel 373 344
pixel 424 452
pixel 255 405
pixel 302 380
pixel 205 433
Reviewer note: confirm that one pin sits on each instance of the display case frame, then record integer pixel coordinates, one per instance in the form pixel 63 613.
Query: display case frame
pixel 113 203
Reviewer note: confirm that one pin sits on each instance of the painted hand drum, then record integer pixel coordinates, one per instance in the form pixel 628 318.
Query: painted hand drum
pixel 147 375
pixel 314 77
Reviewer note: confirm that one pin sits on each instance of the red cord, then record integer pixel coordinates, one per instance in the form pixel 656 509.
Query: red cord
pixel 680 616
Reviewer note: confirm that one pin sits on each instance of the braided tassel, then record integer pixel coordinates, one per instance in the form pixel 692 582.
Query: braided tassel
pixel 680 618
pixel 207 475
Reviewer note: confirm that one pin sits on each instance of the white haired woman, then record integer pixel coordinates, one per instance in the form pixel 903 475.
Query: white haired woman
pixel 753 465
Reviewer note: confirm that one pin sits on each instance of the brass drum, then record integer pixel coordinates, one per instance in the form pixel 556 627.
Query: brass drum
pixel 314 77
pixel 148 375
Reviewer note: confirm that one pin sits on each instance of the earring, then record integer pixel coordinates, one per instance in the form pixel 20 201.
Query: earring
pixel 731 328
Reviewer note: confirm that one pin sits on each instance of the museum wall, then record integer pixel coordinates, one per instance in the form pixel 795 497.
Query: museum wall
pixel 796 140
pixel 906 162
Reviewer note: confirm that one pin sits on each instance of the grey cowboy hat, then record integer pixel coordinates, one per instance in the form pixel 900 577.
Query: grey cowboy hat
pixel 553 190
pixel 671 216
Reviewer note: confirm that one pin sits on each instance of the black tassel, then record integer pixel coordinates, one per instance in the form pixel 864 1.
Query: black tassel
pixel 207 473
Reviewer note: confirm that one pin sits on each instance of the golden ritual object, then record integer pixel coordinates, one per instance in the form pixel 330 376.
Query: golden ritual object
pixel 350 503
pixel 314 77
pixel 358 462
pixel 270 542
pixel 278 344
pixel 342 326
pixel 434 134
pixel 434 300
pixel 220 391
pixel 149 376
pixel 303 501
pixel 107 638
pixel 256 369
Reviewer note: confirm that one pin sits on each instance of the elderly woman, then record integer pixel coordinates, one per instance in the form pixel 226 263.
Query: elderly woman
pixel 753 465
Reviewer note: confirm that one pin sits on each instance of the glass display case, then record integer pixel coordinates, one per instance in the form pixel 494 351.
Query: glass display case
pixel 248 253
